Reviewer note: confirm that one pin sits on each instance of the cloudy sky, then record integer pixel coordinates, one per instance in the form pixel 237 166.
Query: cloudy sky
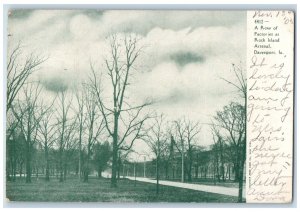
pixel 185 55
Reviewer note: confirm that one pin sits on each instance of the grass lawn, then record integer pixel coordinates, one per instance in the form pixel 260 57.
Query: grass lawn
pixel 99 190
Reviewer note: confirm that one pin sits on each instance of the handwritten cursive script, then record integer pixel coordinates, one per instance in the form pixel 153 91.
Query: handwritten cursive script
pixel 269 107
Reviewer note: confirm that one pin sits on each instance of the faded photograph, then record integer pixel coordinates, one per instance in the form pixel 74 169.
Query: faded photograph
pixel 126 106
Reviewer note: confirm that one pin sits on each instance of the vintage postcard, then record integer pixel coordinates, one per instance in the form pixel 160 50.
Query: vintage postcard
pixel 148 106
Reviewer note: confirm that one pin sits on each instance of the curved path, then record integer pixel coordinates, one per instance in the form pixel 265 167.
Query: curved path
pixel 198 187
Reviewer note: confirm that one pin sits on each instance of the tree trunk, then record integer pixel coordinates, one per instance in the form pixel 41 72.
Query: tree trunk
pixel 21 169
pixel 173 171
pixel 37 171
pixel 47 164
pixel 119 166
pixel 189 172
pixel 118 173
pixel 28 161
pixel 242 157
pixel 190 164
pixel 222 161
pixel 115 153
pixel 157 175
pixel 196 171
pixel 241 174
pixel 223 172
pixel 214 173
pixel 167 170
pixel 241 180
pixel 200 172
pixel 14 161
pixel 99 172
pixel 182 166
pixel 236 172
pixel 80 157
pixel 65 171
pixel 61 174
pixel 87 167
pixel 85 175
pixel 217 166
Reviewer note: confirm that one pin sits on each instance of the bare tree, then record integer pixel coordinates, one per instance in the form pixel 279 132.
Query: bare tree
pixel 192 130
pixel 94 125
pixel 180 142
pixel 12 131
pixel 219 144
pixel 29 114
pixel 70 145
pixel 18 72
pixel 63 121
pixel 232 120
pixel 120 66
pixel 241 85
pixel 172 160
pixel 156 140
pixel 185 133
pixel 79 94
pixel 47 132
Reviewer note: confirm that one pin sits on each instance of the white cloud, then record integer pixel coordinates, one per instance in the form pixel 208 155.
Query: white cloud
pixel 72 39
pixel 143 21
